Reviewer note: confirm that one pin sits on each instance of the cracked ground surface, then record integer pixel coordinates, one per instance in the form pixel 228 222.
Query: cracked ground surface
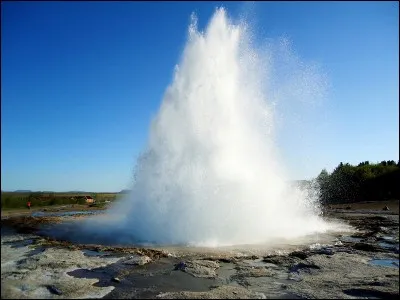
pixel 359 264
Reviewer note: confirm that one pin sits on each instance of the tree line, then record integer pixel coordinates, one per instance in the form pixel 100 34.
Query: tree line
pixel 364 182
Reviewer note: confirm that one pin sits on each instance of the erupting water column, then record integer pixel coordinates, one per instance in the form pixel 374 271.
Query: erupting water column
pixel 210 174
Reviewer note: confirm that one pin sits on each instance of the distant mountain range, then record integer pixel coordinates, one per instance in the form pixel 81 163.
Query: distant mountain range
pixel 69 192
pixel 125 191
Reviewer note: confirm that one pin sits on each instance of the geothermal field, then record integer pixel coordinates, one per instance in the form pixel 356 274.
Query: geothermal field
pixel 212 212
pixel 210 174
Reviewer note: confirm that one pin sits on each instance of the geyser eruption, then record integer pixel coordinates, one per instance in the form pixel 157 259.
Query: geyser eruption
pixel 210 174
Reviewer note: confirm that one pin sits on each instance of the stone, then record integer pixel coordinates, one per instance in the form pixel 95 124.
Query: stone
pixel 299 254
pixel 54 290
pixel 199 268
pixel 222 292
pixel 304 267
pixel 180 266
pixel 366 247
pixel 137 260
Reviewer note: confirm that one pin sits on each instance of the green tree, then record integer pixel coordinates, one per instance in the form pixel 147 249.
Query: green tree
pixel 365 181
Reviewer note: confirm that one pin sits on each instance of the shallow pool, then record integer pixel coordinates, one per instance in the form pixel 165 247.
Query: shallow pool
pixel 392 263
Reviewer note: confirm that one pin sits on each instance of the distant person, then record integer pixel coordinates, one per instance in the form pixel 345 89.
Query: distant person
pixel 29 204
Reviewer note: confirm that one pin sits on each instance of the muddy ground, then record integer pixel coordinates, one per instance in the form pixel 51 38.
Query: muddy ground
pixel 363 263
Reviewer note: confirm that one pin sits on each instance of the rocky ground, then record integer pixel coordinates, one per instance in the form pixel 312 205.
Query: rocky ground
pixel 361 264
pixel 52 209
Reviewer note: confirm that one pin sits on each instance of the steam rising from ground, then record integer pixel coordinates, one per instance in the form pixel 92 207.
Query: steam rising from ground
pixel 211 174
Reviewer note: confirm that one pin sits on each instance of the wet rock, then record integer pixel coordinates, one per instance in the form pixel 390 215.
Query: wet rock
pixel 137 260
pixel 116 279
pixel 306 253
pixel 377 283
pixel 249 271
pixel 343 249
pixel 366 247
pixel 304 267
pixel 282 260
pixel 180 266
pixel 200 268
pixel 54 290
pixel 299 254
pixel 325 251
pixel 222 292
pixel 378 218
pixel 45 273
pixel 387 239
pixel 260 272
pixel 338 243
pixel 340 272
pixel 253 257
pixel 384 229
pixel 369 293
pixel 294 276
pixel 386 208
pixel 226 260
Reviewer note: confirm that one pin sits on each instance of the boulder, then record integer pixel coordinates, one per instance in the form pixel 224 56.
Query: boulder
pixel 54 290
pixel 137 260
pixel 199 268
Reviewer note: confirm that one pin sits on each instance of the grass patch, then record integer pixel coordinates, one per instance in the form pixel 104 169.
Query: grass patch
pixel 12 200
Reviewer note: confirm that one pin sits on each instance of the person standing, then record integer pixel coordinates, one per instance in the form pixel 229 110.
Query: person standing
pixel 29 204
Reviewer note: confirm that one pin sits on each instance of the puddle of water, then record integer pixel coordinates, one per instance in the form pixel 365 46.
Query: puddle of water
pixel 146 281
pixel 392 263
pixel 387 238
pixel 387 245
pixel 225 272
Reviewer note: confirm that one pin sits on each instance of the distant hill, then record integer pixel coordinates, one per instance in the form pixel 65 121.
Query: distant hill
pixel 23 191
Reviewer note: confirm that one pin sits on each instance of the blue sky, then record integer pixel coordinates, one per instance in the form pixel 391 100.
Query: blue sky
pixel 81 80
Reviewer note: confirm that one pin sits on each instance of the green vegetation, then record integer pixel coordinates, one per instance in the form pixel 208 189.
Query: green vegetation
pixel 364 182
pixel 346 184
pixel 14 200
